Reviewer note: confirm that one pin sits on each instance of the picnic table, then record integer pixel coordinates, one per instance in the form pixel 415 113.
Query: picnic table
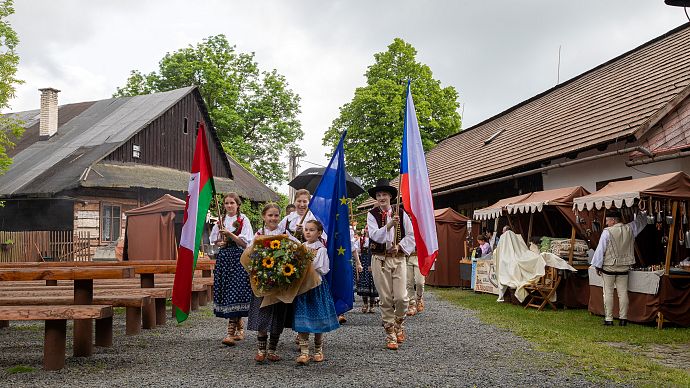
pixel 83 291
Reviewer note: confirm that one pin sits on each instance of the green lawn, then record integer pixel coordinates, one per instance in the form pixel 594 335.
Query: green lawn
pixel 582 338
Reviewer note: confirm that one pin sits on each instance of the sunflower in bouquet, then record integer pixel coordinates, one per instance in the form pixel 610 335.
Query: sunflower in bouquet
pixel 276 263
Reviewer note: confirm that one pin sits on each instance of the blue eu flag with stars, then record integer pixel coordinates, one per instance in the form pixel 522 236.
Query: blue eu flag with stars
pixel 330 206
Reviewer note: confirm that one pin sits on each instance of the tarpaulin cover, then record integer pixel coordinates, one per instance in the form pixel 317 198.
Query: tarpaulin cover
pixel 672 185
pixel 451 229
pixel 150 230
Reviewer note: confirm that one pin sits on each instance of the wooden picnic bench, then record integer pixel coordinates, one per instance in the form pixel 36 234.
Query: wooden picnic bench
pixel 133 304
pixel 83 292
pixel 55 317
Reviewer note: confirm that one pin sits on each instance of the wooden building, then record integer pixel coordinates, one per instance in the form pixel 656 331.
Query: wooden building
pixel 626 118
pixel 79 167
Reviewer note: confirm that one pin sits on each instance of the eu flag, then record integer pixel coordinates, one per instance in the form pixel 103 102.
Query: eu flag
pixel 329 205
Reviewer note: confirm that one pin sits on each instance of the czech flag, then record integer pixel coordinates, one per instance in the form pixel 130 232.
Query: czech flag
pixel 415 189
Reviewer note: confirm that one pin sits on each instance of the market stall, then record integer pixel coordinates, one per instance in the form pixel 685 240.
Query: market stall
pixel 451 229
pixel 549 214
pixel 150 232
pixel 658 285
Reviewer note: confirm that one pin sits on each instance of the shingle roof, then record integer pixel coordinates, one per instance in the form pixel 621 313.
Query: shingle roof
pixel 249 186
pixel 93 131
pixel 606 103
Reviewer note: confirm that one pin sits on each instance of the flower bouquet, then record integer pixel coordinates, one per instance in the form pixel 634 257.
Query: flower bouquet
pixel 279 269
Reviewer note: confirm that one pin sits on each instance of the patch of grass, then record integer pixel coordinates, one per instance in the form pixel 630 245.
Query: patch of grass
pixel 20 369
pixel 32 327
pixel 581 336
pixel 119 310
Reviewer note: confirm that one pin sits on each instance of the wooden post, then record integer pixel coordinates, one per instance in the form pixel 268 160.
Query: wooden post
pixel 529 228
pixel 54 342
pixel 671 237
pixel 104 332
pixel 83 328
pixel 572 246
pixel 548 223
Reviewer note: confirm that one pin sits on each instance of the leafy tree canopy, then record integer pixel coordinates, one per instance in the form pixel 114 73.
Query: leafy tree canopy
pixel 374 118
pixel 254 112
pixel 10 128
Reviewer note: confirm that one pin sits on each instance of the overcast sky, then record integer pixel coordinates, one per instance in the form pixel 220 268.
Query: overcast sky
pixel 495 53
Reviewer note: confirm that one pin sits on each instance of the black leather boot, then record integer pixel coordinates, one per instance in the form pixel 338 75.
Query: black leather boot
pixel 623 322
pixel 608 323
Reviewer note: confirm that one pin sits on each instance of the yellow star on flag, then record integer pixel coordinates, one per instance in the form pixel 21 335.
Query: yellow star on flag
pixel 337 215
pixel 343 200
pixel 341 251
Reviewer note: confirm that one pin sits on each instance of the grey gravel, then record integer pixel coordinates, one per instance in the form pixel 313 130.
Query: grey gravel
pixel 447 347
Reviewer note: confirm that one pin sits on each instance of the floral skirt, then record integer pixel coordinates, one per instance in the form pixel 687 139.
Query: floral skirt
pixel 365 282
pixel 231 290
pixel 271 319
pixel 315 311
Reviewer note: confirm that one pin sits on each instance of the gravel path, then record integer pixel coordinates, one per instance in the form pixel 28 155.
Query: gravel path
pixel 447 346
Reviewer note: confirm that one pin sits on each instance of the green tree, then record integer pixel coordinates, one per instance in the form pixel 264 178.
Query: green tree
pixel 254 112
pixel 374 118
pixel 10 128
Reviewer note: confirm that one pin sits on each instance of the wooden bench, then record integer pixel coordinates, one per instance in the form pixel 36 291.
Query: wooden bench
pixel 133 304
pixel 152 314
pixel 55 317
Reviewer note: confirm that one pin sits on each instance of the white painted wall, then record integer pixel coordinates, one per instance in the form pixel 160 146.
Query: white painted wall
pixel 589 173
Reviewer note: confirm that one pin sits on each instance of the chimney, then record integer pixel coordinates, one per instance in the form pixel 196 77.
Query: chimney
pixel 49 113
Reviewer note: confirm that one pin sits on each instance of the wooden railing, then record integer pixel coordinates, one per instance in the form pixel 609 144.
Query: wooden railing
pixel 45 245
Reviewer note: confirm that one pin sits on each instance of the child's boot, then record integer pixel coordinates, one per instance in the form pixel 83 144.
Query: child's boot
pixel 239 333
pixel 272 346
pixel 261 353
pixel 318 347
pixel 229 339
pixel 303 358
pixel 400 330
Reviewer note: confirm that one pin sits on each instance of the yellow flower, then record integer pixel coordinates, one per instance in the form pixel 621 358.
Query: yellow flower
pixel 275 244
pixel 268 262
pixel 288 269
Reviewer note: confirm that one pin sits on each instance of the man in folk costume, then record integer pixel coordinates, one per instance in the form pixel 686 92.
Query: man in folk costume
pixel 612 260
pixel 390 242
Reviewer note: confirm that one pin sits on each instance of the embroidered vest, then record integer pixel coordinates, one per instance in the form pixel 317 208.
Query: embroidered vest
pixel 620 250
pixel 376 247
pixel 240 224
pixel 298 235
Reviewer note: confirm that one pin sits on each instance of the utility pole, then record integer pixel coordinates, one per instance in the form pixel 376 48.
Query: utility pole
pixel 293 165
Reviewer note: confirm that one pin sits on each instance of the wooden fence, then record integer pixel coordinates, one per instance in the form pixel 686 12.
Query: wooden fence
pixel 45 245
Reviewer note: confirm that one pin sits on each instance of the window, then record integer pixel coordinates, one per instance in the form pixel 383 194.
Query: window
pixel 110 217
pixel 136 151
pixel 185 129
pixel 601 184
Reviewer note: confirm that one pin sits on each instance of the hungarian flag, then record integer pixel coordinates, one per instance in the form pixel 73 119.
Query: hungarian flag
pixel 415 189
pixel 199 195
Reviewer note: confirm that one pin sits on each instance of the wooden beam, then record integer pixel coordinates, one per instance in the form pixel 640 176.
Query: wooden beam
pixel 572 246
pixel 548 223
pixel 529 228
pixel 671 237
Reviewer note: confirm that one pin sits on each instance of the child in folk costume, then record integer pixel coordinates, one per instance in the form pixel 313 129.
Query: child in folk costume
pixel 389 252
pixel 274 318
pixel 365 281
pixel 315 310
pixel 231 289
pixel 295 221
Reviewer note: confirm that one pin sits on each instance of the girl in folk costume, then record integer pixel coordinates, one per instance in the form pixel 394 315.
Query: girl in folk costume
pixel 315 310
pixel 274 318
pixel 390 242
pixel 231 289
pixel 365 281
pixel 294 221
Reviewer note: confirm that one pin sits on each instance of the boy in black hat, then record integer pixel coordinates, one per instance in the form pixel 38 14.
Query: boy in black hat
pixel 613 258
pixel 389 247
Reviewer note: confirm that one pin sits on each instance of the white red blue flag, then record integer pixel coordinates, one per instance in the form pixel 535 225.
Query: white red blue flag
pixel 415 189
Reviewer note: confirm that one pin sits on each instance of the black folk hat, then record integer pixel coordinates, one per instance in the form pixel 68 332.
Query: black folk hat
pixel 383 185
